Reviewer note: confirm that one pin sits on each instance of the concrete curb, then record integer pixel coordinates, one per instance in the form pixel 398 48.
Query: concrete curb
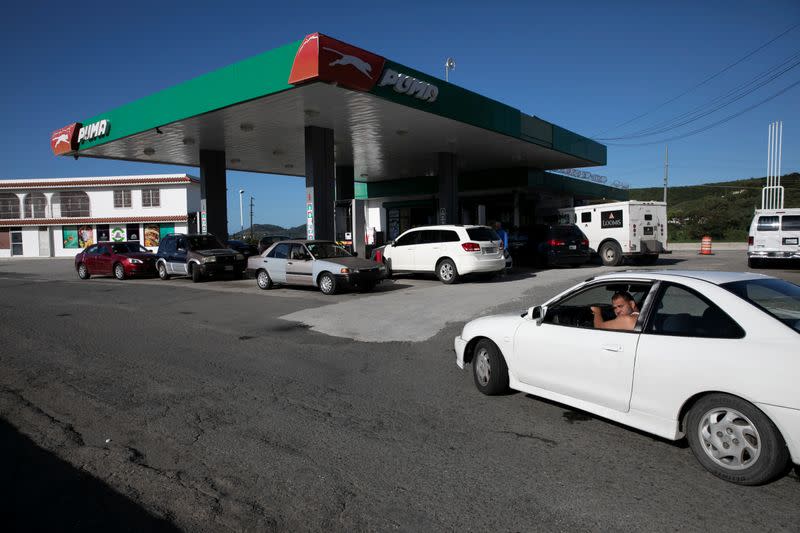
pixel 691 246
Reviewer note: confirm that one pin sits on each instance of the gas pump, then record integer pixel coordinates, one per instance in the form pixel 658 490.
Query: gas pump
pixel 349 225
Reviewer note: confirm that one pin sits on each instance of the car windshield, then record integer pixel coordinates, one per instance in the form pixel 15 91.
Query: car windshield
pixel 326 250
pixel 127 247
pixel 777 297
pixel 204 242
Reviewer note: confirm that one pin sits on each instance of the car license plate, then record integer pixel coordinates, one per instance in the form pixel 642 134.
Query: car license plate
pixel 573 246
pixel 228 267
pixel 790 240
pixel 490 250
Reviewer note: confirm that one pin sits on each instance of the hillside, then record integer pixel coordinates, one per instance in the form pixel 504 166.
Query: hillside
pixel 259 230
pixel 722 210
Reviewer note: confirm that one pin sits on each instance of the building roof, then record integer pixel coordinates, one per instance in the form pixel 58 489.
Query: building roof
pixel 104 181
pixel 77 221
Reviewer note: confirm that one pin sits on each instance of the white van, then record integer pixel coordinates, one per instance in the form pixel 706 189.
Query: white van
pixel 619 230
pixel 774 234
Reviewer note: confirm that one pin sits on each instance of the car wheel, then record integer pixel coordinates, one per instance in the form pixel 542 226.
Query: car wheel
pixel 753 262
pixel 735 441
pixel 388 264
pixel 489 368
pixel 162 271
pixel 119 271
pixel 327 283
pixel 83 271
pixel 446 271
pixel 196 274
pixel 263 280
pixel 611 253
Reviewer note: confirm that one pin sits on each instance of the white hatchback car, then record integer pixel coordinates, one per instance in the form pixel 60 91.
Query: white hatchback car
pixel 713 356
pixel 449 251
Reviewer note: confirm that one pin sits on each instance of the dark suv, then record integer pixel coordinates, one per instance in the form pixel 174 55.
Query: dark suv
pixel 545 245
pixel 197 256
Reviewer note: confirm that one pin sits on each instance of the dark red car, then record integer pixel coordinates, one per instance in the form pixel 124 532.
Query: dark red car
pixel 120 259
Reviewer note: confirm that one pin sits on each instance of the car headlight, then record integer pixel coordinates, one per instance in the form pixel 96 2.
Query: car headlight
pixel 211 259
pixel 345 270
pixel 240 257
pixel 381 268
pixel 135 261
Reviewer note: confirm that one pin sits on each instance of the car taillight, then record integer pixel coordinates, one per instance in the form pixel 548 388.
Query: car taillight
pixel 634 229
pixel 585 242
pixel 555 242
pixel 471 247
pixel 749 240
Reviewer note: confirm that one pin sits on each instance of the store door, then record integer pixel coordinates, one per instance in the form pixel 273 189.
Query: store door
pixel 16 241
pixel 44 242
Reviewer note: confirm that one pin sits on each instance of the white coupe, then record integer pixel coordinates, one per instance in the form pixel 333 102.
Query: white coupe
pixel 713 357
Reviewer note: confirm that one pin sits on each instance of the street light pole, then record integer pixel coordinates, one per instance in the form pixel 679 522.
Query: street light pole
pixel 251 218
pixel 241 213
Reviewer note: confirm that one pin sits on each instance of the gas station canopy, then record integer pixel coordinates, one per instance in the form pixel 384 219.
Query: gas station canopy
pixel 388 121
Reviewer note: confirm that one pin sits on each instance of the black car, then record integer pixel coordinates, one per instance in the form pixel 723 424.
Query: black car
pixel 268 240
pixel 549 245
pixel 243 248
pixel 198 256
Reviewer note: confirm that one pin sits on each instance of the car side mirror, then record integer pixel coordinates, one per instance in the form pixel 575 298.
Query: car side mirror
pixel 537 313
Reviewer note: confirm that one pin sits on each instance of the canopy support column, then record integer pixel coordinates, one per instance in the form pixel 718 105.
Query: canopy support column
pixel 320 183
pixel 213 192
pixel 448 188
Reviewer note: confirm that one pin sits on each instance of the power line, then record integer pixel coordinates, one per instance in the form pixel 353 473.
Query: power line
pixel 690 89
pixel 714 124
pixel 701 111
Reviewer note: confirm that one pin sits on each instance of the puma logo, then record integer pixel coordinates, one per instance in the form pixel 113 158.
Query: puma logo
pixel 63 138
pixel 362 66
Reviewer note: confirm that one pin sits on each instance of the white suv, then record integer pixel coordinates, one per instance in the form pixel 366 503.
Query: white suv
pixel 449 251
pixel 774 234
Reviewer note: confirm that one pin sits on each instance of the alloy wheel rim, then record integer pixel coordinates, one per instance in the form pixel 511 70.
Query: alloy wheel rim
pixel 119 272
pixel 262 279
pixel 483 370
pixel 326 284
pixel 729 438
pixel 446 271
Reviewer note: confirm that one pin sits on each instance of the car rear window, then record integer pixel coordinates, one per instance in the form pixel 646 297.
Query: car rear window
pixel 566 232
pixel 482 234
pixel 767 223
pixel 777 297
pixel 790 223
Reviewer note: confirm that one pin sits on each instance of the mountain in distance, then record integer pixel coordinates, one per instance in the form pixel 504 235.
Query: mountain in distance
pixel 722 210
pixel 260 230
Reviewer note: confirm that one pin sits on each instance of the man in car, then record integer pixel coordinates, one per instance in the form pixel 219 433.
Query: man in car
pixel 625 309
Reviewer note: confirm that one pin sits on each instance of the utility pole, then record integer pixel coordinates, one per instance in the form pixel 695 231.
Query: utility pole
pixel 241 216
pixel 666 171
pixel 251 218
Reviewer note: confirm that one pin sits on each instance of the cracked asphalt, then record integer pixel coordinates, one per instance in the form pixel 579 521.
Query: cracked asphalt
pixel 149 405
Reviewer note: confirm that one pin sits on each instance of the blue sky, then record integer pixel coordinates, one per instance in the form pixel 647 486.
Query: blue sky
pixel 586 66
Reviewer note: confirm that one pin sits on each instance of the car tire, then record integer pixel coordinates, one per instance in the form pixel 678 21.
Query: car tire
pixel 720 424
pixel 489 369
pixel 263 280
pixel 446 271
pixel 119 271
pixel 162 271
pixel 610 253
pixel 388 264
pixel 327 283
pixel 83 271
pixel 197 276
pixel 753 262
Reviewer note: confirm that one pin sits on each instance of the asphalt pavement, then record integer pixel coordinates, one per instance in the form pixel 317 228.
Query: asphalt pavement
pixel 153 405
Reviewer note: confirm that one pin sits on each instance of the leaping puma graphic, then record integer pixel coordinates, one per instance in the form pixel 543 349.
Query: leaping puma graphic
pixel 63 138
pixel 362 66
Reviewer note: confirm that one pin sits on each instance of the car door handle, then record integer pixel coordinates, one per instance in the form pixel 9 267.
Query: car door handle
pixel 612 347
pixel 289 263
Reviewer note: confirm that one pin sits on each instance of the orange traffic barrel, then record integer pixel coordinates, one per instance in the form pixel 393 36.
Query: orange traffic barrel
pixel 705 245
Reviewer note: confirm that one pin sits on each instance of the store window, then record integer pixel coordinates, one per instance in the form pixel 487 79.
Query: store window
pixel 151 198
pixel 9 205
pixel 133 232
pixel 85 236
pixel 69 236
pixel 35 205
pixel 73 204
pixel 103 233
pixel 122 198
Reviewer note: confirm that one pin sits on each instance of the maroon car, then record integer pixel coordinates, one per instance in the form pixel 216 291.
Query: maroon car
pixel 120 259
